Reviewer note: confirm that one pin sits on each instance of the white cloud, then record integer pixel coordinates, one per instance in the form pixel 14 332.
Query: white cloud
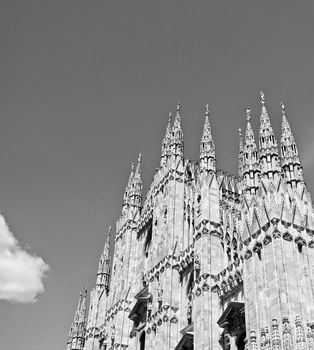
pixel 21 273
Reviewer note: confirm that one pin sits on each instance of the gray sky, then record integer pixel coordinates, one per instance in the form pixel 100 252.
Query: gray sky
pixel 87 85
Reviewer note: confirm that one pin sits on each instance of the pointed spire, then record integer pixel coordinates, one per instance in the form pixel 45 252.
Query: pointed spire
pixel 250 165
pixel 268 150
pixel 291 163
pixel 128 188
pixel 103 273
pixel 178 107
pixel 264 114
pixel 177 119
pixel 166 143
pixel 249 134
pixel 78 327
pixel 286 130
pixel 207 146
pixel 136 185
pixel 177 134
pixel 138 167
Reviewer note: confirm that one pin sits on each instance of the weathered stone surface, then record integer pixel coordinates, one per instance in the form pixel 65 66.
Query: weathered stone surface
pixel 209 260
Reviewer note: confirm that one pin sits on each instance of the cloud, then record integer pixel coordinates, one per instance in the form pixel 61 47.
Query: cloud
pixel 21 272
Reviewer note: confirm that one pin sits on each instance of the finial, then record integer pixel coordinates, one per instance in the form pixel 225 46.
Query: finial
pixel 283 108
pixel 207 109
pixel 132 167
pixel 139 158
pixel 109 231
pixel 169 118
pixel 240 132
pixel 262 98
pixel 248 113
pixel 178 106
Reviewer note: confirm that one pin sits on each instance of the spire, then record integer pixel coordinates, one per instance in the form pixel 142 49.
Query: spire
pixel 103 273
pixel 128 188
pixel 77 332
pixel 136 185
pixel 178 117
pixel 240 153
pixel 268 150
pixel 137 175
pixel 251 169
pixel 166 143
pixel 177 134
pixel 249 134
pixel 291 163
pixel 207 147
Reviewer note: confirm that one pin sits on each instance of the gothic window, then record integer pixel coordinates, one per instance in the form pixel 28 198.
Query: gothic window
pixel 189 294
pixel 142 341
pixel 190 284
pixel 198 208
pixel 241 341
pixel 198 198
pixel 148 238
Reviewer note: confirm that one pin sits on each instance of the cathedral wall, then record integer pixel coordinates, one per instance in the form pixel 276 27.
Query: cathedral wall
pixel 278 287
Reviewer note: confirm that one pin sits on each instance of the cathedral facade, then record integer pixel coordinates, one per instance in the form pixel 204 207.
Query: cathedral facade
pixel 208 260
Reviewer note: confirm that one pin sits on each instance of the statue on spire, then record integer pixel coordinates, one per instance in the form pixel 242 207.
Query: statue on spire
pixel 283 108
pixel 207 147
pixel 207 109
pixel 248 114
pixel 178 106
pixel 262 96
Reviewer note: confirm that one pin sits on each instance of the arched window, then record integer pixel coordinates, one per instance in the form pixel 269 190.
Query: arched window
pixel 240 342
pixel 148 238
pixel 142 341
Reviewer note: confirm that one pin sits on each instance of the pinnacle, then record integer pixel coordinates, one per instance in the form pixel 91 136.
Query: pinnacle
pixel 262 96
pixel 207 146
pixel 177 120
pixel 248 114
pixel 264 119
pixel 207 110
pixel 249 134
pixel 178 106
pixel 169 118
pixel 131 174
pixel 206 128
pixel 285 123
pixel 138 167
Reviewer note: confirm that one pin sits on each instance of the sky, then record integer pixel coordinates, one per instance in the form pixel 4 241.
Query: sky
pixel 87 85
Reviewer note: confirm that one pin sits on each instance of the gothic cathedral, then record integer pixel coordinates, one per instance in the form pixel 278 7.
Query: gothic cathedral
pixel 208 260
